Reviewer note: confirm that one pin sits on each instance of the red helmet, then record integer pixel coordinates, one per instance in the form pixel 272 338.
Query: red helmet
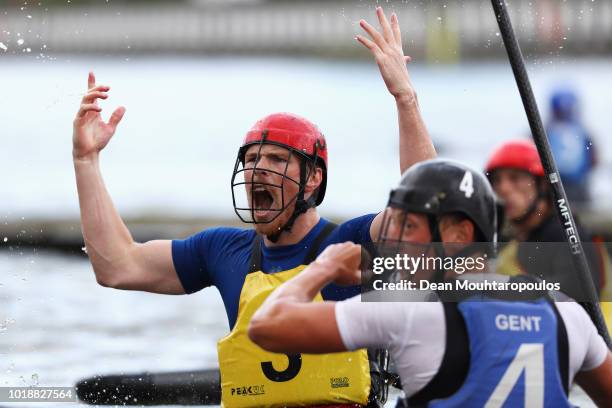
pixel 516 154
pixel 294 133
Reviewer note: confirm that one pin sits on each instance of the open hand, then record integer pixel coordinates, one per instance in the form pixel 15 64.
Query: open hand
pixel 90 133
pixel 388 53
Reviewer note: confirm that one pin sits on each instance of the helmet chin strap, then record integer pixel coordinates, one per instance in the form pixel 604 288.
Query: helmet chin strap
pixel 301 206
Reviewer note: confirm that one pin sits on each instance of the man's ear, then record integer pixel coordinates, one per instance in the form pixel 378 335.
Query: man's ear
pixel 314 180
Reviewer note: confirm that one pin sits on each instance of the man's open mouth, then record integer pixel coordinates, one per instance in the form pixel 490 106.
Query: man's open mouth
pixel 262 202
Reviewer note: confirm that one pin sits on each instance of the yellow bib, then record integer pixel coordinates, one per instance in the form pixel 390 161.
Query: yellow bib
pixel 253 377
pixel 507 260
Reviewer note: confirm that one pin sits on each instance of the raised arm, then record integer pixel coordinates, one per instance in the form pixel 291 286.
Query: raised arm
pixel 414 142
pixel 386 47
pixel 117 260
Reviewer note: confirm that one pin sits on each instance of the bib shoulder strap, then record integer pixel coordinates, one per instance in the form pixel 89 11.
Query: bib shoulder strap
pixel 455 361
pixel 313 251
pixel 255 260
pixel 562 348
pixel 256 255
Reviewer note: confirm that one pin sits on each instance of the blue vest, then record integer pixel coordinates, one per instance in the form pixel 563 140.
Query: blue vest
pixel 513 357
pixel 569 143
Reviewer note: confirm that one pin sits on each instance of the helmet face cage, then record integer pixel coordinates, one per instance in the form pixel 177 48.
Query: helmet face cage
pixel 407 200
pixel 383 235
pixel 388 246
pixel 247 214
pixel 396 242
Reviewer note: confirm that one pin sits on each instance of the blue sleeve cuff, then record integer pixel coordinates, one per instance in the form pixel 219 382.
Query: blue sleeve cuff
pixel 188 265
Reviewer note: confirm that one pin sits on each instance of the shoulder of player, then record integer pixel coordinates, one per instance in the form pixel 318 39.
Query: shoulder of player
pixel 226 236
pixel 408 315
pixel 573 312
pixel 348 230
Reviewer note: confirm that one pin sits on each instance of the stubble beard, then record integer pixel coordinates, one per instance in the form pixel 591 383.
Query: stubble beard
pixel 273 227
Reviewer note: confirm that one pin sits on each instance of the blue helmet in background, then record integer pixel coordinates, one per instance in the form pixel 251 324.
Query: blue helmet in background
pixel 564 105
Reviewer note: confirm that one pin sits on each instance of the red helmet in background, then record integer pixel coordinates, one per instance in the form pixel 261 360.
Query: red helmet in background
pixel 295 133
pixel 516 154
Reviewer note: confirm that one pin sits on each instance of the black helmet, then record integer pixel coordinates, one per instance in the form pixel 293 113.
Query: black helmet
pixel 440 186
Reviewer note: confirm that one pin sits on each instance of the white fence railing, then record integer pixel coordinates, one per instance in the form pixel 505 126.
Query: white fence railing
pixel 438 30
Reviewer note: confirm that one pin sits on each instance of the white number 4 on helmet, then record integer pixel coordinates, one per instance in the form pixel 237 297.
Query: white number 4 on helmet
pixel 467 184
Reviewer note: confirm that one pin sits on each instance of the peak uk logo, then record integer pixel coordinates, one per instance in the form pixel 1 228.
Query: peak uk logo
pixel 248 390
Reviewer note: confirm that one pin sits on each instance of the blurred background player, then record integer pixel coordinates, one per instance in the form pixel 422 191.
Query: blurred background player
pixel 572 146
pixel 517 176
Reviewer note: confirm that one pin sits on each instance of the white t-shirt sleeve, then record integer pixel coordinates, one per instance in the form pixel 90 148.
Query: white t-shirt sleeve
pixel 413 332
pixel 588 349
pixel 369 324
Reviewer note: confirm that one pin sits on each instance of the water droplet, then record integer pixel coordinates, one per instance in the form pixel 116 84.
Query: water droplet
pixel 20 41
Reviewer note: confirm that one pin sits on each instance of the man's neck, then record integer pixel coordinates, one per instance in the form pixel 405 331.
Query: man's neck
pixel 524 228
pixel 301 227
